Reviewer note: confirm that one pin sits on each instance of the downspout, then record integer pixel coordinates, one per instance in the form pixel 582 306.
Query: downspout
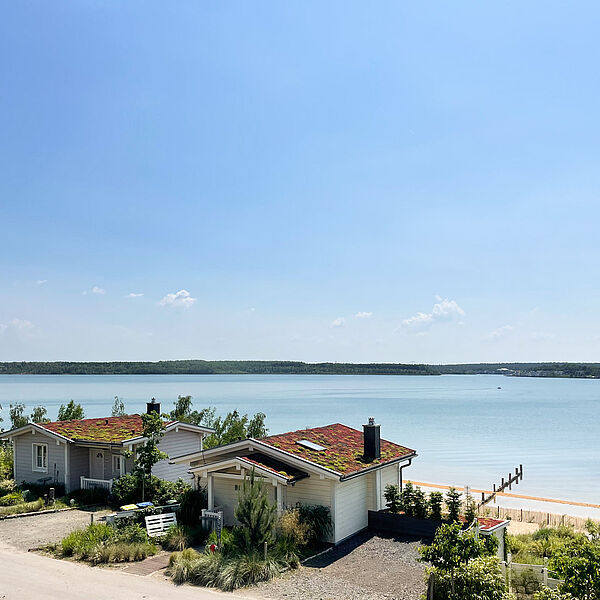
pixel 402 467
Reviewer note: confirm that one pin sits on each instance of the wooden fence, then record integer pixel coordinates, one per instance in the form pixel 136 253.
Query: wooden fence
pixel 533 516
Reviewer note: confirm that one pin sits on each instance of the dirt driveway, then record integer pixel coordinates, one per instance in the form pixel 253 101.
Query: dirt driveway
pixel 34 531
pixel 366 567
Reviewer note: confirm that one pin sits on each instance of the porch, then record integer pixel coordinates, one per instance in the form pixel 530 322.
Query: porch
pixel 88 483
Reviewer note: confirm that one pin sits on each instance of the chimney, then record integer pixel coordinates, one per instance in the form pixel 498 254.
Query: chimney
pixel 153 406
pixel 371 441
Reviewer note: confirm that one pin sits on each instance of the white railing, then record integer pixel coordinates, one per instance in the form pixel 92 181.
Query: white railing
pixel 87 483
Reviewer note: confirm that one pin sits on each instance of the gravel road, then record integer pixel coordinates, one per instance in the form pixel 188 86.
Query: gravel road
pixel 366 567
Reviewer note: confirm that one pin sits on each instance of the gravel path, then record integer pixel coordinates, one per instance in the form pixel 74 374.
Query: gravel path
pixel 366 567
pixel 37 530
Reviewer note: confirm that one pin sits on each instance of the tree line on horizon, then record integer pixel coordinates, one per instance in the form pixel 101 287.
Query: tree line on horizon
pixel 251 367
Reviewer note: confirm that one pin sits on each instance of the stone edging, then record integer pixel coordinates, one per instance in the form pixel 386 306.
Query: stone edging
pixel 34 513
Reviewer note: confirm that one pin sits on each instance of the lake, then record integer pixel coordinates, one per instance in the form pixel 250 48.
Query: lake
pixel 465 429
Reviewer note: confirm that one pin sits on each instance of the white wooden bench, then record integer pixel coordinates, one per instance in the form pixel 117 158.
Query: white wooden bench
pixel 158 524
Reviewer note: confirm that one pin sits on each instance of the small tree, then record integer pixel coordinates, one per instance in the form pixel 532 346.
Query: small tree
pixel 256 426
pixel 453 504
pixel 17 418
pixel 579 567
pixel 470 509
pixel 148 453
pixel 38 415
pixel 118 408
pixel 408 499
pixel 435 505
pixel 255 514
pixel 419 503
pixel 70 412
pixel 392 498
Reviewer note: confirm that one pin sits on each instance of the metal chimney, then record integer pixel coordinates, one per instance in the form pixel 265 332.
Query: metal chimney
pixel 371 441
pixel 153 406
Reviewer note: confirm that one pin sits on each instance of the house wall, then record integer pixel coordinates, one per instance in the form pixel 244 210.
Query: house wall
pixel 79 464
pixel 24 457
pixel 176 443
pixel 311 490
pixel 351 506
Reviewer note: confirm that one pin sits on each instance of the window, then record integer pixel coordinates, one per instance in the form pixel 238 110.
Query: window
pixel 40 457
pixel 118 465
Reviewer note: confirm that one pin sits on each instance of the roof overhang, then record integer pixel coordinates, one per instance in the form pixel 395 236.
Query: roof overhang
pixel 489 530
pixel 33 428
pixel 175 426
pixel 387 463
pixel 239 462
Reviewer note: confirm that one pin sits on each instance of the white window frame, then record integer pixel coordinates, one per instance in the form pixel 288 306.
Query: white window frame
pixel 120 463
pixel 34 454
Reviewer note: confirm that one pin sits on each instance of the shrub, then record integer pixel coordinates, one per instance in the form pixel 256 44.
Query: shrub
pixel 191 504
pixel 548 594
pixel 408 499
pixel 419 503
pixel 286 552
pixel 470 509
pixel 95 495
pixel 22 508
pixel 525 583
pixel 291 527
pixel 122 552
pixel 453 504
pixel 392 498
pixel 248 569
pixel 435 505
pixel 480 578
pixel 318 519
pixel 11 499
pixel 176 538
pixel 181 565
pixel 131 488
pixel 81 543
pixel 7 486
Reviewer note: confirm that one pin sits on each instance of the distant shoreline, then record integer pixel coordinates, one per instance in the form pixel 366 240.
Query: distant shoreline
pixel 562 370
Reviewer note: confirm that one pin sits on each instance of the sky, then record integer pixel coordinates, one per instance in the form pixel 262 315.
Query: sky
pixel 317 181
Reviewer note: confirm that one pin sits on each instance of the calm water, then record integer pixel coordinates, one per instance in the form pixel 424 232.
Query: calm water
pixel 465 430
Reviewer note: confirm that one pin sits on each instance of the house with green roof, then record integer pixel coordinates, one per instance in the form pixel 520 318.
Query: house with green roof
pixel 88 453
pixel 335 466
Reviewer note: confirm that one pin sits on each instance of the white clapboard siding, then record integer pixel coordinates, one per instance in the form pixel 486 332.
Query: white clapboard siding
pixel 311 490
pixel 351 507
pixel 158 524
pixel 24 458
pixel 176 443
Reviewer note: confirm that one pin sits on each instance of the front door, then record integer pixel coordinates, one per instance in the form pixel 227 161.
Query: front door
pixel 97 464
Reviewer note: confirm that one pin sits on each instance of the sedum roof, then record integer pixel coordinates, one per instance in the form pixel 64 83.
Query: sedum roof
pixel 343 445
pixel 107 429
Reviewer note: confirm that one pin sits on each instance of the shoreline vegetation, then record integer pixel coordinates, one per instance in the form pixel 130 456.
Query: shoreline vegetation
pixel 243 367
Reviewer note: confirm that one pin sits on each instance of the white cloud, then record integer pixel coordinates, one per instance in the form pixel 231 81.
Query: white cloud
pixel 41 281
pixel 336 323
pixel 134 295
pixel 18 329
pixel 181 299
pixel 363 315
pixel 98 290
pixel 499 333
pixel 443 310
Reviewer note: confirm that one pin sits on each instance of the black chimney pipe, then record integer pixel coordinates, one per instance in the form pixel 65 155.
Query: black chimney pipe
pixel 371 441
pixel 153 406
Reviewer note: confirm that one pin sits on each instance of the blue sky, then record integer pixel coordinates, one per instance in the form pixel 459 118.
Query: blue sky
pixel 262 173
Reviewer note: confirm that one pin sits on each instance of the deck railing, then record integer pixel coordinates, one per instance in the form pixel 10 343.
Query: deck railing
pixel 87 483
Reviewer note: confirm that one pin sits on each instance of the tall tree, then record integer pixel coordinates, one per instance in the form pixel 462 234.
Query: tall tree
pixel 70 412
pixel 38 415
pixel 148 454
pixel 17 418
pixel 118 408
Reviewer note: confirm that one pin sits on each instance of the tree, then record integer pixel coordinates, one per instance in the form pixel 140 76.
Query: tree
pixel 182 410
pixel 435 505
pixel 256 427
pixel 453 504
pixel 255 514
pixel 470 509
pixel 419 503
pixel 17 418
pixel 452 547
pixel 148 454
pixel 38 415
pixel 408 499
pixel 548 594
pixel 392 497
pixel 579 566
pixel 70 412
pixel 118 408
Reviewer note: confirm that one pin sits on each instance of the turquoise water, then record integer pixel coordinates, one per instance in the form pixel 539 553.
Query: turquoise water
pixel 465 429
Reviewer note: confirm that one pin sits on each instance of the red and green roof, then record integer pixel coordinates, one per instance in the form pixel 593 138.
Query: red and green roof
pixel 343 445
pixel 110 430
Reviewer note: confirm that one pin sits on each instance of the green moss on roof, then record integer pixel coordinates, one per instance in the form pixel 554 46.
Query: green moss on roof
pixel 343 448
pixel 107 429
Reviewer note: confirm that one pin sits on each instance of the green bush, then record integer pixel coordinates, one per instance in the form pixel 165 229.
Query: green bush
pixel 291 528
pixel 22 508
pixel 81 543
pixel 191 504
pixel 408 499
pixel 548 594
pixel 132 488
pixel 480 579
pixel 435 505
pixel 419 503
pixel 525 583
pixel 7 486
pixel 11 499
pixel 176 538
pixel 392 498
pixel 453 504
pixel 95 495
pixel 318 520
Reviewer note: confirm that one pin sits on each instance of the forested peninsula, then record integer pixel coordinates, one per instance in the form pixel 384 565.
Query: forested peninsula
pixel 266 367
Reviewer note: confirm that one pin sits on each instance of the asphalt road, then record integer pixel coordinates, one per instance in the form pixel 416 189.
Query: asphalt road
pixel 29 576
